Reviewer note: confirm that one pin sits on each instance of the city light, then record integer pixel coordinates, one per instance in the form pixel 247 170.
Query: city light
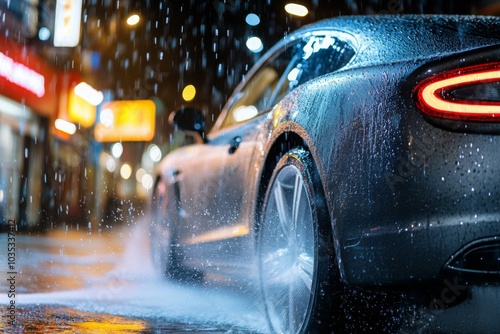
pixel 254 44
pixel 65 126
pixel 89 94
pixel 188 93
pixel 44 33
pixel 252 19
pixel 147 181
pixel 133 19
pixel 126 120
pixel 125 171
pixel 154 153
pixel 107 117
pixel 296 9
pixel 21 75
pixel 67 24
pixel 117 150
pixel 139 174
pixel 110 165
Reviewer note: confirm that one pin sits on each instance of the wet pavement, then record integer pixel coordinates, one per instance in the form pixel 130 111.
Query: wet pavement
pixel 79 281
pixel 76 281
pixel 38 319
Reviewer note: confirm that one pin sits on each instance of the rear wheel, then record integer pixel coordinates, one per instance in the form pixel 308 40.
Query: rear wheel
pixel 297 267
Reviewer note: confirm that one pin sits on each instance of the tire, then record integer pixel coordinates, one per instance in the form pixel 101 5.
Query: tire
pixel 162 253
pixel 165 248
pixel 298 272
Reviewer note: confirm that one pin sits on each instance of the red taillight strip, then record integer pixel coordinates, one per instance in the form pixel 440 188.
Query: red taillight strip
pixel 431 101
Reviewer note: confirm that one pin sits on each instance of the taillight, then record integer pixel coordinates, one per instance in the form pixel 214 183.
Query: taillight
pixel 469 94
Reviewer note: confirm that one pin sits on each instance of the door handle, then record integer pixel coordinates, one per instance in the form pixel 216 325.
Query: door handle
pixel 234 144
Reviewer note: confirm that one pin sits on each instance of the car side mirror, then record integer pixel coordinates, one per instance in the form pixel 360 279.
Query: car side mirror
pixel 190 120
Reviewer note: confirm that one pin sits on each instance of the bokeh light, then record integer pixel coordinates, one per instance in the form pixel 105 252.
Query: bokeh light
pixel 125 171
pixel 133 19
pixel 117 150
pixel 296 9
pixel 188 93
pixel 252 19
pixel 254 44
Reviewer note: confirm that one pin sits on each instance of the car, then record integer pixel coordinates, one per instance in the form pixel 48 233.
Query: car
pixel 358 151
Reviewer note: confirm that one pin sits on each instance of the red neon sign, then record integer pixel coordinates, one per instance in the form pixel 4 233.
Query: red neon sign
pixel 22 75
pixel 28 79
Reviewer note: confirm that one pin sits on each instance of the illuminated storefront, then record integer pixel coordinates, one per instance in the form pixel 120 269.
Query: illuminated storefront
pixel 28 101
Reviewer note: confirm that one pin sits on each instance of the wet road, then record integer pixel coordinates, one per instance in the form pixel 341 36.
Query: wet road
pixel 80 282
pixel 69 281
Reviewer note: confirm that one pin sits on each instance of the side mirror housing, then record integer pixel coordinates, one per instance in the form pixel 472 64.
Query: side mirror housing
pixel 190 120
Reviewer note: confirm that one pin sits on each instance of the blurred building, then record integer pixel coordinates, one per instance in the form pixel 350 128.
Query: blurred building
pixel 28 100
pixel 40 176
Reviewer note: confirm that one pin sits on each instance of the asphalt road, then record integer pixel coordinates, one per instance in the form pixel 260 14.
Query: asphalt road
pixel 76 281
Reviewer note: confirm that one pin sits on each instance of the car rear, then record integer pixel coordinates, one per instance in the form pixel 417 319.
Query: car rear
pixel 425 202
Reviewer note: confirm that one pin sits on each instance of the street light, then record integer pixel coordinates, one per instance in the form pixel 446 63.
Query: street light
pixel 133 19
pixel 296 9
pixel 254 44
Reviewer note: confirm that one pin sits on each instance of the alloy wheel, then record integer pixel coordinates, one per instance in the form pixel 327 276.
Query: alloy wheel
pixel 288 255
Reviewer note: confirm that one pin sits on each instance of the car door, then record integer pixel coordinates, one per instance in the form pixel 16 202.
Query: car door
pixel 213 183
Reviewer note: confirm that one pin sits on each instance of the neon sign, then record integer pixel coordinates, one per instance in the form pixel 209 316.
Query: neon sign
pixel 68 22
pixel 22 75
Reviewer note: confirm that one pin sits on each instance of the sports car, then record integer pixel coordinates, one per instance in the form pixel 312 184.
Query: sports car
pixel 358 151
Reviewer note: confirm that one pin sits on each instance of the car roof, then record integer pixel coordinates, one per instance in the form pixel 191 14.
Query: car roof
pixel 393 38
pixel 386 39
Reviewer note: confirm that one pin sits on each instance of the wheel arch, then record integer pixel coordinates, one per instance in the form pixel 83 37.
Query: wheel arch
pixel 287 136
pixel 283 143
pixel 290 148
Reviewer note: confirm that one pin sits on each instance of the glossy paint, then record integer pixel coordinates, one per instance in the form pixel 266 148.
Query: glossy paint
pixel 404 191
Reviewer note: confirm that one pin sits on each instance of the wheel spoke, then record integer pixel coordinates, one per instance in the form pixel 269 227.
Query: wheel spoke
pixel 291 310
pixel 280 206
pixel 305 269
pixel 297 199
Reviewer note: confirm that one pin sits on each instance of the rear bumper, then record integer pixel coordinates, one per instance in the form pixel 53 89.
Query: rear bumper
pixel 437 196
pixel 417 251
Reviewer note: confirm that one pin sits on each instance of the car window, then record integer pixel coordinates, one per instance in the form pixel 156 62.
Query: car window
pixel 305 60
pixel 257 94
pixel 320 55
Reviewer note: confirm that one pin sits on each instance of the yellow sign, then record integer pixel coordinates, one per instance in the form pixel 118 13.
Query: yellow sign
pixel 80 111
pixel 126 121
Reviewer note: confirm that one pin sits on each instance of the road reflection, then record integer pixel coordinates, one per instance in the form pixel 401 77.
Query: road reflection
pixel 103 282
pixel 54 319
pixel 63 260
